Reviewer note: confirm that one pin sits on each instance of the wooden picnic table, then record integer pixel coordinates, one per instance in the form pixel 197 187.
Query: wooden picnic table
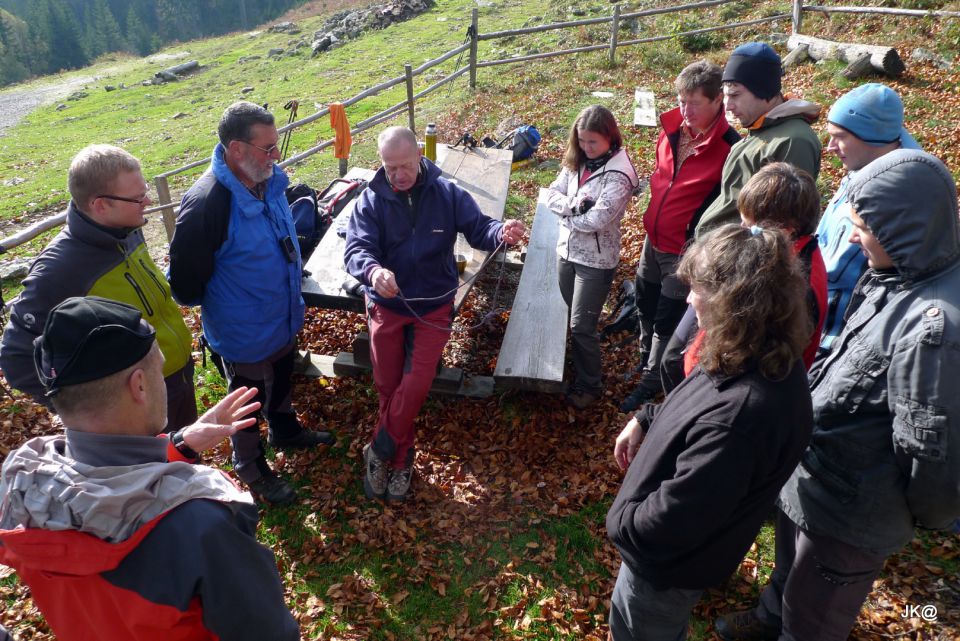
pixel 483 172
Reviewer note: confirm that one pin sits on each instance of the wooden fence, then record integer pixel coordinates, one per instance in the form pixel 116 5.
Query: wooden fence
pixel 161 182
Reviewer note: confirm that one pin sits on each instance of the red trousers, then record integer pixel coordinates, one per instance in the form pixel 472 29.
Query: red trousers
pixel 405 352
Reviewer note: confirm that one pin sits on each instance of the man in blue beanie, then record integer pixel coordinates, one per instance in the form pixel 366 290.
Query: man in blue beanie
pixel 864 124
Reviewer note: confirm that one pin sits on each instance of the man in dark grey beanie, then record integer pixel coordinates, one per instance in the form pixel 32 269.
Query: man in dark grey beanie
pixel 114 529
pixel 884 457
pixel 778 128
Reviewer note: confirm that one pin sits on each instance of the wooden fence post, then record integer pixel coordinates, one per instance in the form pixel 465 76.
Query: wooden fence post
pixel 797 15
pixel 408 70
pixel 163 196
pixel 614 29
pixel 473 49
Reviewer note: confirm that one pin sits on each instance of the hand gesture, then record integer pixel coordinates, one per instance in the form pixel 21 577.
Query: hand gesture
pixel 628 442
pixel 222 420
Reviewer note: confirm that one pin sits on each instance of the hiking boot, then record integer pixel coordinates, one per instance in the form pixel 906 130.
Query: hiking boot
pixel 744 625
pixel 399 484
pixel 376 474
pixel 637 397
pixel 273 489
pixel 303 439
pixel 581 400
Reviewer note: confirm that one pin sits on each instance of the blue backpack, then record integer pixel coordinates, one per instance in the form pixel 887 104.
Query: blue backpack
pixel 526 139
pixel 313 213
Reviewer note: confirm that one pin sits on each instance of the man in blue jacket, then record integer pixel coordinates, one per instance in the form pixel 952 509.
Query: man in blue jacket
pixel 864 124
pixel 235 254
pixel 400 246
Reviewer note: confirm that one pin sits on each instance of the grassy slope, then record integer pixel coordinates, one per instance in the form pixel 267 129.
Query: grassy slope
pixel 484 550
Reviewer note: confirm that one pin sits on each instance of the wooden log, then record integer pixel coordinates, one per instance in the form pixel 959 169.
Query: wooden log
pixel 796 56
pixel 884 59
pixel 32 231
pixel 179 70
pixel 858 67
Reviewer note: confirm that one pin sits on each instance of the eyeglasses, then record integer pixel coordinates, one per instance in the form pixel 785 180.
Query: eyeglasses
pixel 140 201
pixel 267 150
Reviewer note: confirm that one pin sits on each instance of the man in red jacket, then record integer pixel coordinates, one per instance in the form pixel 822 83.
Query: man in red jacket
pixel 691 150
pixel 115 532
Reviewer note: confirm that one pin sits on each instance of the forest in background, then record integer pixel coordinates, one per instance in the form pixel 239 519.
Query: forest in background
pixel 39 37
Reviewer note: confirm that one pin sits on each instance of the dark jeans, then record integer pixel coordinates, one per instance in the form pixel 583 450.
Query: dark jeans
pixel 818 586
pixel 584 290
pixel 640 612
pixel 271 377
pixel 671 367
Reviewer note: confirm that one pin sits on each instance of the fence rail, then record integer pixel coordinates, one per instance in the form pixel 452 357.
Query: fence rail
pixel 161 180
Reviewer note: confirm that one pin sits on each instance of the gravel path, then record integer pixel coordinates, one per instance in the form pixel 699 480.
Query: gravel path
pixel 16 104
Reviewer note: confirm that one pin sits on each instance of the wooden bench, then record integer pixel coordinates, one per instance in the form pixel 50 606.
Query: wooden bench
pixel 485 175
pixel 534 345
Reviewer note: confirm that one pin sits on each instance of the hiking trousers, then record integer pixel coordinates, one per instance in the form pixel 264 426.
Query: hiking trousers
pixel 405 352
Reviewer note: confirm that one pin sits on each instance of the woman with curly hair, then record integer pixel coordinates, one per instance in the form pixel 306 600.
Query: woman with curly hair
pixel 717 450
pixel 590 195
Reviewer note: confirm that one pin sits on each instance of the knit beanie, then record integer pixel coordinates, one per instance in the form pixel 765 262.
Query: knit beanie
pixel 873 113
pixel 757 67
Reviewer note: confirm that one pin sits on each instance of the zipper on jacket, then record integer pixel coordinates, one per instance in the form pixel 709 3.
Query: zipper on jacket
pixel 159 312
pixel 140 294
pixel 596 236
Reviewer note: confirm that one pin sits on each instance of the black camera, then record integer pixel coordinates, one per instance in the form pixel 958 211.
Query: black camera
pixel 585 205
pixel 289 249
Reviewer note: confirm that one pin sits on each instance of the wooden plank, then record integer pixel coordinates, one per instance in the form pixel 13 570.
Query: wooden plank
pixel 644 109
pixel 534 345
pixel 323 287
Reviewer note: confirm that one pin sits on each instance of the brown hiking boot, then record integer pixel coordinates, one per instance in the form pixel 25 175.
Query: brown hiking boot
pixel 744 625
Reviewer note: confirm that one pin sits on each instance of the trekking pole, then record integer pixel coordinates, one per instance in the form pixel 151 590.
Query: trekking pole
pixel 292 107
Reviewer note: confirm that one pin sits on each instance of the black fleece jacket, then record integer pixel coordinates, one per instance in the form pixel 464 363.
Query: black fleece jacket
pixel 715 456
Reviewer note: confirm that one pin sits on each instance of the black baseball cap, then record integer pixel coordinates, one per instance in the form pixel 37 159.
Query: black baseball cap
pixel 87 338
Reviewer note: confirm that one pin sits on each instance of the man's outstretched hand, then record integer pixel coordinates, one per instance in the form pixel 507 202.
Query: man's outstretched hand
pixel 223 419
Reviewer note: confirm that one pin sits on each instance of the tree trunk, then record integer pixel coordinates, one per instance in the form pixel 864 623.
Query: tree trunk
pixel 858 67
pixel 885 60
pixel 796 56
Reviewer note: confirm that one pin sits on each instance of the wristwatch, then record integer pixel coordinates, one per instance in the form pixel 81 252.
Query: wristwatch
pixel 177 439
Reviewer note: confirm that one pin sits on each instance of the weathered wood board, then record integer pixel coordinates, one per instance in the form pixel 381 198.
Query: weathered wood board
pixel 644 109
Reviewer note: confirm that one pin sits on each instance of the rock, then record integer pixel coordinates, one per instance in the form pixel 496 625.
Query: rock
pixel 123 86
pixel 549 165
pixel 246 90
pixel 925 55
pixel 283 27
pixel 321 45
pixel 244 59
pixel 109 88
pixel 274 52
pixel 16 180
pixel 61 107
pixel 14 270
pixel 77 95
pixel 577 11
pixel 179 115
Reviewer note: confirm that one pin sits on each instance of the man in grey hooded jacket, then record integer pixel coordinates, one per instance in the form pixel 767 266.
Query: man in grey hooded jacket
pixel 884 456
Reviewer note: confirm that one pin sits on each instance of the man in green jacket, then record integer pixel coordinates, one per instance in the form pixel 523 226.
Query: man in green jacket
pixel 778 127
pixel 101 252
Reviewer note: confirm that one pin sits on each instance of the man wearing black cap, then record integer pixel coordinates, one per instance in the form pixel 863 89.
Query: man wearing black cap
pixel 778 128
pixel 884 456
pixel 115 533
pixel 101 251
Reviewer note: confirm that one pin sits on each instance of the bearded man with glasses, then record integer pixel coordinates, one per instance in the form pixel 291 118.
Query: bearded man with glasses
pixel 101 252
pixel 234 253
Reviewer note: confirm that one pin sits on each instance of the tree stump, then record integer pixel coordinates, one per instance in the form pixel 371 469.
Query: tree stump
pixel 858 67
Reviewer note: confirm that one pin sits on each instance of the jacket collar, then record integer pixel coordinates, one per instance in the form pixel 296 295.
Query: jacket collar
pixel 789 108
pixel 381 186
pixel 243 200
pixel 85 229
pixel 672 121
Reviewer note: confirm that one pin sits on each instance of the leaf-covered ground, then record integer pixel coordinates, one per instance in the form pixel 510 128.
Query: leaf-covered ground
pixel 503 536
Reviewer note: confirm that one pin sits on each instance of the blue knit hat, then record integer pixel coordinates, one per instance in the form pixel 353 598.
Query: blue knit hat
pixel 757 67
pixel 873 113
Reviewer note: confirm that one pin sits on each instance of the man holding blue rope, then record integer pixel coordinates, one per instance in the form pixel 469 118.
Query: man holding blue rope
pixel 400 244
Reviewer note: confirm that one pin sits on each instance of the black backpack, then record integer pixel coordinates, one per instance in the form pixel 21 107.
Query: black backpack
pixel 313 213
